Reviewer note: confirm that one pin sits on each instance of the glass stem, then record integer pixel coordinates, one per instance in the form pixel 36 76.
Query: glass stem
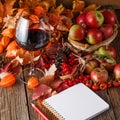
pixel 32 63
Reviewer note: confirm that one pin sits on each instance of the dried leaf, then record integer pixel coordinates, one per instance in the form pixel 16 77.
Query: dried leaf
pixel 64 24
pixel 39 11
pixel 78 5
pixel 90 7
pixel 34 18
pixel 10 22
pixel 40 91
pixel 55 84
pixel 8 7
pixel 13 67
pixel 4 41
pixel 52 3
pixel 12 46
pixel 58 10
pixel 51 70
pixel 1 10
pixel 9 32
pixel 47 79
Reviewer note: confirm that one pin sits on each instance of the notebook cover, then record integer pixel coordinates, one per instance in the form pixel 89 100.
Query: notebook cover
pixel 76 103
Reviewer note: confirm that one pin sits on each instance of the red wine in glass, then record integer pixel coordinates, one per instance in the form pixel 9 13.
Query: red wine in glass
pixel 31 39
pixel 34 40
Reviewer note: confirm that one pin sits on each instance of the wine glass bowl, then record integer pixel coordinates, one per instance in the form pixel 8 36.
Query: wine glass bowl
pixel 31 39
pixel 28 38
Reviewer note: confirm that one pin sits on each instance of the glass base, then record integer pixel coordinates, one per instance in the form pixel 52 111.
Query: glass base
pixel 28 72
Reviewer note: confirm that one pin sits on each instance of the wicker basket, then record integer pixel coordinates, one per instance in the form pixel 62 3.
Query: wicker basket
pixel 90 48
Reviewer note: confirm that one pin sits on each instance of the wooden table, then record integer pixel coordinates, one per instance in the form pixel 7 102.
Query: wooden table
pixel 15 101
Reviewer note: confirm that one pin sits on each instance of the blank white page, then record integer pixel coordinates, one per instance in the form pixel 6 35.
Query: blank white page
pixel 77 103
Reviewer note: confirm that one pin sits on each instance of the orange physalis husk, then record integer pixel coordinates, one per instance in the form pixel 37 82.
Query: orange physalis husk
pixel 7 79
pixel 9 32
pixel 4 41
pixel 32 82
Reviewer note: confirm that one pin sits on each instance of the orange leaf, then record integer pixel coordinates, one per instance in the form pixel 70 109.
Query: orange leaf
pixel 9 32
pixel 39 11
pixel 34 18
pixel 78 5
pixel 4 41
pixel 1 48
pixel 46 79
pixel 12 46
pixel 1 10
pixel 11 53
pixel 8 80
pixel 8 5
pixel 90 7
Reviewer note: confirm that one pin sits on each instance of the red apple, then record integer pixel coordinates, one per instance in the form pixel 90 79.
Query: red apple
pixel 109 17
pixel 117 71
pixel 94 19
pixel 99 75
pixel 81 20
pixel 94 36
pixel 90 65
pixel 76 32
pixel 109 66
pixel 107 30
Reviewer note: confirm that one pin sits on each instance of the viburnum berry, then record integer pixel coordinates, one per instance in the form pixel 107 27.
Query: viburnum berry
pixel 71 56
pixel 70 82
pixel 65 68
pixel 103 86
pixel 89 83
pixel 116 83
pixel 95 87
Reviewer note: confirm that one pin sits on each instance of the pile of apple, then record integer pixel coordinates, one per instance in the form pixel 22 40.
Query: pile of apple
pixel 93 27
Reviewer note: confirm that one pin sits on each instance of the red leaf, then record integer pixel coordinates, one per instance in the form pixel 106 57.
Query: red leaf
pixel 41 91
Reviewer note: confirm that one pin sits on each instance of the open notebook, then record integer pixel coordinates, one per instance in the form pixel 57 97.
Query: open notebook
pixel 76 103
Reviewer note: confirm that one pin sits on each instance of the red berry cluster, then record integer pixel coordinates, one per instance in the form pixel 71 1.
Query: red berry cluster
pixel 68 64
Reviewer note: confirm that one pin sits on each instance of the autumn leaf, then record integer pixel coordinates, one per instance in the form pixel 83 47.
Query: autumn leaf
pixel 8 7
pixel 1 10
pixel 40 91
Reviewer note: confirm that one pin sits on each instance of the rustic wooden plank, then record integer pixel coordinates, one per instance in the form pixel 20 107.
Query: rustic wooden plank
pixel 13 103
pixel 33 114
pixel 114 94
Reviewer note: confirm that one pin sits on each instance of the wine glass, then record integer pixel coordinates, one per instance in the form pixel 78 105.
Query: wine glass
pixel 31 39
